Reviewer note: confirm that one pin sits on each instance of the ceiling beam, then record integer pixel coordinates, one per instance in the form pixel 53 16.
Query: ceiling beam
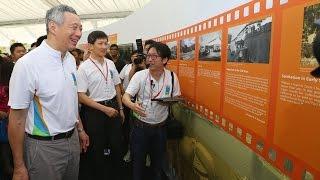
pixel 109 15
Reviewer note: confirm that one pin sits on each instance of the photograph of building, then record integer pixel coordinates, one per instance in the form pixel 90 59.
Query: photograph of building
pixel 210 46
pixel 311 14
pixel 187 49
pixel 250 43
pixel 173 48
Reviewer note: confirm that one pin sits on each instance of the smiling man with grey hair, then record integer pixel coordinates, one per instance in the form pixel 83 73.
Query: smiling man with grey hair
pixel 45 127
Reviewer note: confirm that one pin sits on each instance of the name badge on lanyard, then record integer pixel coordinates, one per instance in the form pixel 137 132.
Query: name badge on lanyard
pixel 105 76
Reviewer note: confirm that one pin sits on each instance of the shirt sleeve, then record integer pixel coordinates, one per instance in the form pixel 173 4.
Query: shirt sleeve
pixel 22 86
pixel 115 75
pixel 176 87
pixel 82 80
pixel 123 71
pixel 134 84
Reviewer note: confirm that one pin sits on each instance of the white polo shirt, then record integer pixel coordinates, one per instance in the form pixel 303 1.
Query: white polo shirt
pixel 124 75
pixel 46 85
pixel 147 88
pixel 92 79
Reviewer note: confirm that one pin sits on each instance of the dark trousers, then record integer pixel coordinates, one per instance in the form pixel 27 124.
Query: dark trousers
pixel 126 127
pixel 6 163
pixel 103 160
pixel 152 141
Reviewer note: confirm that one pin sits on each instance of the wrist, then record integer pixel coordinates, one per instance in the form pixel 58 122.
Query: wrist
pixel 132 105
pixel 80 130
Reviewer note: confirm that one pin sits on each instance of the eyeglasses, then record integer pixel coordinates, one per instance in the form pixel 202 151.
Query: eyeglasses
pixel 152 56
pixel 113 49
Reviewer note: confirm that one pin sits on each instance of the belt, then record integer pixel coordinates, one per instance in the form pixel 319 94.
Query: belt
pixel 142 124
pixel 51 138
pixel 108 102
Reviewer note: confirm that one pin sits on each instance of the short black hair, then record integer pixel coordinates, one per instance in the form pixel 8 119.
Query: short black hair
pixel 14 46
pixel 6 68
pixel 114 45
pixel 134 52
pixel 40 39
pixel 94 35
pixel 162 49
pixel 149 41
pixel 34 44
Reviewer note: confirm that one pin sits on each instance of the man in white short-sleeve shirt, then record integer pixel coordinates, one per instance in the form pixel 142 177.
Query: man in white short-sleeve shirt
pixel 148 135
pixel 44 104
pixel 100 94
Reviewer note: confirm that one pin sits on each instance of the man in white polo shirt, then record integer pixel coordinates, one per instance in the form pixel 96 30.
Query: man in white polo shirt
pixel 100 94
pixel 149 134
pixel 44 121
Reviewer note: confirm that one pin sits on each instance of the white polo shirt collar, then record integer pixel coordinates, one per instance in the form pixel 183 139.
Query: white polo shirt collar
pixel 53 52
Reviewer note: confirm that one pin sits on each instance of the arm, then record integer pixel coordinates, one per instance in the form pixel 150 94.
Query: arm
pixel 132 71
pixel 84 99
pixel 121 88
pixel 16 133
pixel 118 91
pixel 3 115
pixel 84 138
pixel 135 68
pixel 136 107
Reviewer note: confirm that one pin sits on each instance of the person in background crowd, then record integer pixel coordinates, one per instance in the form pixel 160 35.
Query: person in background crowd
pixel 147 44
pixel 115 57
pixel 125 75
pixel 32 46
pixel 149 133
pixel 44 120
pixel 5 56
pixel 100 94
pixel 40 39
pixel 6 162
pixel 86 54
pixel 78 55
pixel 17 51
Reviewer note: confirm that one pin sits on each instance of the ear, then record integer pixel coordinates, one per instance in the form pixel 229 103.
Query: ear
pixel 164 61
pixel 52 27
pixel 90 47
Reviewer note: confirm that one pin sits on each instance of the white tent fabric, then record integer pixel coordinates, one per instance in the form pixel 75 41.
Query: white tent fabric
pixel 160 17
pixel 22 20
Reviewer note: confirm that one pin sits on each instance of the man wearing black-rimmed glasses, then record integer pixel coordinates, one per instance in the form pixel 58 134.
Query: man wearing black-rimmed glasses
pixel 149 133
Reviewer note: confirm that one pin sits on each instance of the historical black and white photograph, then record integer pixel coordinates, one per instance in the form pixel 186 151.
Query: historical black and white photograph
pixel 187 49
pixel 173 48
pixel 311 15
pixel 210 46
pixel 250 42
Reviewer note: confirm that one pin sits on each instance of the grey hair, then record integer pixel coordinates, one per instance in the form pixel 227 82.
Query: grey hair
pixel 56 13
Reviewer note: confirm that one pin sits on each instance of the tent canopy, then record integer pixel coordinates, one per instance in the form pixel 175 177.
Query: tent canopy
pixel 23 20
